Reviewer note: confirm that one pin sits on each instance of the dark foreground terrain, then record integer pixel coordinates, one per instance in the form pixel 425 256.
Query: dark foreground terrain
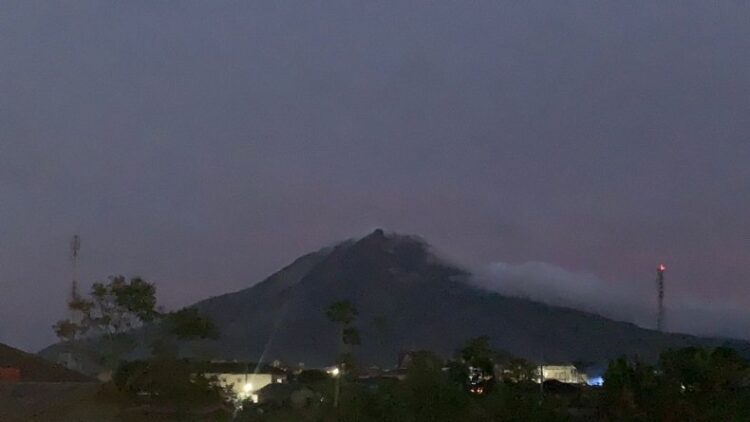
pixel 51 401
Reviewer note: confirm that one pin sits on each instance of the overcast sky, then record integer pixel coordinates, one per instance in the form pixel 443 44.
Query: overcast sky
pixel 203 145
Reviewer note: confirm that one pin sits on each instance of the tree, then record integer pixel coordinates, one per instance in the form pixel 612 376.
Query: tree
pixel 104 322
pixel 519 370
pixel 688 384
pixel 350 336
pixel 478 353
pixel 424 359
pixel 344 314
pixel 112 309
pixel 703 371
pixel 167 381
pixel 66 330
pixel 620 395
pixel 312 376
pixel 477 365
pixel 429 395
pixel 166 378
pixel 188 324
pixel 706 383
pixel 116 307
pixel 426 394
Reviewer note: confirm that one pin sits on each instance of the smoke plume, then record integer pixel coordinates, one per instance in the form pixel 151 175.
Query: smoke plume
pixel 631 302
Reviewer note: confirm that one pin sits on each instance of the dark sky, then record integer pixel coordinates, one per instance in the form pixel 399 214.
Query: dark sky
pixel 203 145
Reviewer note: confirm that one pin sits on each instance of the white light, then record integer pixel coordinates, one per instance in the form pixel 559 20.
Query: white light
pixel 335 372
pixel 248 387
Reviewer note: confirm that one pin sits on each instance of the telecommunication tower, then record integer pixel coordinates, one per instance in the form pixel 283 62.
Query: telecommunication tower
pixel 75 249
pixel 660 270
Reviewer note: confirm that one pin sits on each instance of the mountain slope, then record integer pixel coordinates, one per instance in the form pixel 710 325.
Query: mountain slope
pixel 35 369
pixel 409 299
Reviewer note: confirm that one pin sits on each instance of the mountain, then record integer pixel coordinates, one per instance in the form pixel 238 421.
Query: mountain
pixel 35 369
pixel 409 299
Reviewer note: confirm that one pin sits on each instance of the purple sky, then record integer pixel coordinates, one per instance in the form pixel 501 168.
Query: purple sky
pixel 203 145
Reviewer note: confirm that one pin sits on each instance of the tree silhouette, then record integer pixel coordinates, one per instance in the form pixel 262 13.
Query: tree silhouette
pixel 344 314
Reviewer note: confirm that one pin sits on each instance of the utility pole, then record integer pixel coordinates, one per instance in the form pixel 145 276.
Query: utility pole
pixel 541 379
pixel 337 386
pixel 541 382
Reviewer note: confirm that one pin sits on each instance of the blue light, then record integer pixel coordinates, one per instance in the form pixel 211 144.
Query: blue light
pixel 595 381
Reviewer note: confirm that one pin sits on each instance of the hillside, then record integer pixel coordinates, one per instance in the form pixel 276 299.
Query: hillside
pixel 35 369
pixel 409 299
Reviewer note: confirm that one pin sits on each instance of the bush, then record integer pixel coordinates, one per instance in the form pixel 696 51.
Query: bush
pixel 312 376
pixel 166 381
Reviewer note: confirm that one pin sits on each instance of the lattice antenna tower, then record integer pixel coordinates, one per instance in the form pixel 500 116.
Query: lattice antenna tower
pixel 660 270
pixel 75 251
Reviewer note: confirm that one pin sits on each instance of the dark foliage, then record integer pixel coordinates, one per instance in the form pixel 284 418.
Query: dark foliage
pixel 172 382
pixel 312 376
pixel 687 384
pixel 188 323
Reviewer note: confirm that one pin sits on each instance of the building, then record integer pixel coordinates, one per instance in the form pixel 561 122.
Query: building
pixel 293 394
pixel 10 374
pixel 244 379
pixel 568 374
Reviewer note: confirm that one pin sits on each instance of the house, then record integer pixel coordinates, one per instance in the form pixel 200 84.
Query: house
pixel 10 374
pixel 520 370
pixel 293 394
pixel 565 373
pixel 243 379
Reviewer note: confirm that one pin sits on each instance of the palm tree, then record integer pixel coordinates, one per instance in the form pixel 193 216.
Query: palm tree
pixel 343 313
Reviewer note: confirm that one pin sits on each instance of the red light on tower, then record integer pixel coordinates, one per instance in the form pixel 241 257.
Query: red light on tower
pixel 662 268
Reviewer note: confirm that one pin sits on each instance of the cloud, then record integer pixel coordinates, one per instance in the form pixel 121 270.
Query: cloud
pixel 633 302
